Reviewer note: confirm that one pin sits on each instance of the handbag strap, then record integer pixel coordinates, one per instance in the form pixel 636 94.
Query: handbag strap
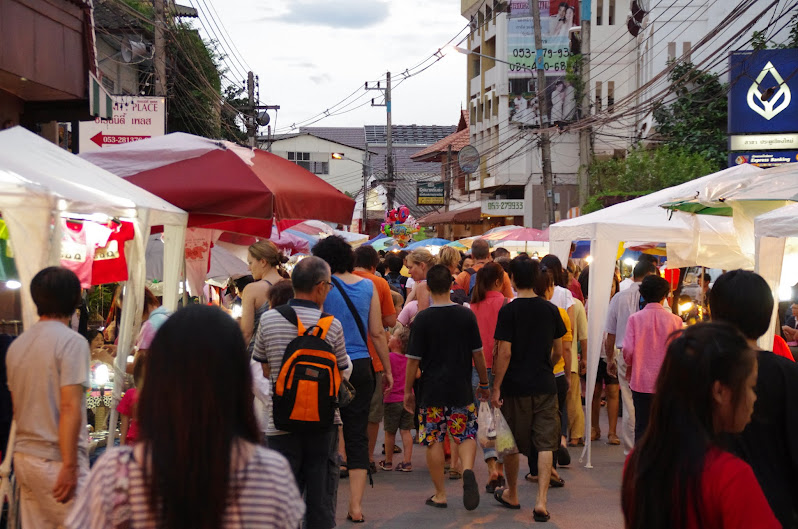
pixel 352 309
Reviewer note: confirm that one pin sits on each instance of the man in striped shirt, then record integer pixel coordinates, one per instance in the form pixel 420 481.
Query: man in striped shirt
pixel 311 455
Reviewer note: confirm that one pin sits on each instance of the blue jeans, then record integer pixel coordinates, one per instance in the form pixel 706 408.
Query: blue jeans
pixel 489 452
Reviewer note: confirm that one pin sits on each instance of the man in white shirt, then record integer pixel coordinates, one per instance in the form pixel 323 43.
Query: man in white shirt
pixel 623 305
pixel 48 373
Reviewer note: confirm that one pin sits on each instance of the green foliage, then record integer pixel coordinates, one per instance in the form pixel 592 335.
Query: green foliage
pixel 696 119
pixel 759 40
pixel 644 171
pixel 98 300
pixel 573 76
pixel 231 120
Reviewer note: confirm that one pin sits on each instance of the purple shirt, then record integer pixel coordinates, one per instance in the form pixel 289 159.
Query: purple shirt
pixel 645 343
pixel 399 369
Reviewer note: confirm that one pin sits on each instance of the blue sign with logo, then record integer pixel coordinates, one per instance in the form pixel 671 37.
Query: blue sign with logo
pixel 763 159
pixel 761 94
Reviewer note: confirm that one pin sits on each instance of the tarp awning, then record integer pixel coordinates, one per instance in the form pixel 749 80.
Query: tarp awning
pixel 458 216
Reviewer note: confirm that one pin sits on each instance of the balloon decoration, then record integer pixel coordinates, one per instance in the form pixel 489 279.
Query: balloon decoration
pixel 400 225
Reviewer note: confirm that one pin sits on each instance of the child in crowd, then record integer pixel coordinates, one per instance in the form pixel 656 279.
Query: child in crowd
pixel 396 417
pixel 129 430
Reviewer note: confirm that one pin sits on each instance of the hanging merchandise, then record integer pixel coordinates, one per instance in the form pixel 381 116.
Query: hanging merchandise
pixel 198 258
pixel 400 225
pixel 78 242
pixel 109 264
pixel 8 269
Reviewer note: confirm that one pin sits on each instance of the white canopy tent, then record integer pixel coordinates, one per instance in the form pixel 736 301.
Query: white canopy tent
pixel 40 183
pixel 704 240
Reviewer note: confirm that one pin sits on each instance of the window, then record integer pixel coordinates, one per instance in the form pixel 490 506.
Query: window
pixel 598 96
pixel 299 156
pixel 610 96
pixel 686 48
pixel 302 159
pixel 671 51
pixel 611 17
pixel 599 11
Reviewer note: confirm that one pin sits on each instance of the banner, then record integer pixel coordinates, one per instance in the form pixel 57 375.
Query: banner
pixel 557 17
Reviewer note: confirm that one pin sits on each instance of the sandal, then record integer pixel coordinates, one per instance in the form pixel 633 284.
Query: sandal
pixel 540 516
pixel 432 503
pixel 613 439
pixel 595 434
pixel 404 467
pixel 453 474
pixel 576 442
pixel 362 519
pixel 384 465
pixel 498 495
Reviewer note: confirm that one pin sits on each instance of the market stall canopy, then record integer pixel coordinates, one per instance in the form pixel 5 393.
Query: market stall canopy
pixel 435 241
pixel 456 216
pixel 225 186
pixel 518 233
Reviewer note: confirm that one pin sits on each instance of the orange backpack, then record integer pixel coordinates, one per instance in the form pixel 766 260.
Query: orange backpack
pixel 306 390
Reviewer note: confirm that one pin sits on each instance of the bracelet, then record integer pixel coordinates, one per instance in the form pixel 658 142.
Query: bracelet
pixel 485 385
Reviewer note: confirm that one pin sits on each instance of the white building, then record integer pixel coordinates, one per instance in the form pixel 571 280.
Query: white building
pixel 627 73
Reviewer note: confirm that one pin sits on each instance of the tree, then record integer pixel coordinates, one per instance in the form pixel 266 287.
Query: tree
pixel 695 119
pixel 644 171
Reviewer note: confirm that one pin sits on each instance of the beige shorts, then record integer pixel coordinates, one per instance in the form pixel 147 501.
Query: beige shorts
pixel 36 477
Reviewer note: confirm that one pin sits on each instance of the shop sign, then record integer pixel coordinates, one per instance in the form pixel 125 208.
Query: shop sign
pixel 430 194
pixel 134 118
pixel 763 84
pixel 760 142
pixel 503 208
pixel 763 159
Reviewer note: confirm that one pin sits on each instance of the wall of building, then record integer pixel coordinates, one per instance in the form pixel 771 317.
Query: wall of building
pixel 119 77
pixel 346 175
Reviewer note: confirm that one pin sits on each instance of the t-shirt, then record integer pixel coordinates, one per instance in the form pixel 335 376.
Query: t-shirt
pixel 530 325
pixel 387 308
pixel 260 496
pixel 731 498
pixel 41 361
pixel 399 370
pixel 443 338
pixel 360 294
pixel 109 265
pixel 562 297
pixel 408 313
pixel 579 328
pixel 464 280
pixel 127 407
pixel 78 242
pixel 487 313
pixel 644 344
pixel 275 333
pixel 559 367
pixel 770 441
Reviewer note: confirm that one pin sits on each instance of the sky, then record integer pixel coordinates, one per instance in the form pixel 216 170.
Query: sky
pixel 312 54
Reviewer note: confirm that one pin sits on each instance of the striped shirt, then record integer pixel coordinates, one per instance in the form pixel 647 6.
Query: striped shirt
pixel 261 496
pixel 275 333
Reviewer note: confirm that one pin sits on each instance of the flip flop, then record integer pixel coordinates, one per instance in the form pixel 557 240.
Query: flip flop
pixel 498 495
pixel 555 483
pixel 453 474
pixel 432 503
pixel 361 520
pixel 540 517
pixel 470 490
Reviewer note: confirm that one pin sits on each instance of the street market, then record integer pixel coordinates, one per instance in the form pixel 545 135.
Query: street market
pixel 575 302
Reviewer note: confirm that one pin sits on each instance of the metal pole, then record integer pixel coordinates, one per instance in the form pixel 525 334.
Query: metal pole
pixel 364 227
pixel 545 144
pixel 586 133
pixel 391 192
pixel 449 177
pixel 251 127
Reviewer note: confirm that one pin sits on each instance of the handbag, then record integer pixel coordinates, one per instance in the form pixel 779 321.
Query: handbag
pixel 346 393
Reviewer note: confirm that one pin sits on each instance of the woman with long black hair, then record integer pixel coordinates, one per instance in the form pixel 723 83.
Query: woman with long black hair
pixel 197 464
pixel 678 475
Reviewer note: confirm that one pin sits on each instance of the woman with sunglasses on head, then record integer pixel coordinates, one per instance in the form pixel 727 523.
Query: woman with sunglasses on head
pixel 678 475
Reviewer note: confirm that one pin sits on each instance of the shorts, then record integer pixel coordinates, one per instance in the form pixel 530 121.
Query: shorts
pixel 397 417
pixel 534 421
pixel 376 408
pixel 603 376
pixel 435 421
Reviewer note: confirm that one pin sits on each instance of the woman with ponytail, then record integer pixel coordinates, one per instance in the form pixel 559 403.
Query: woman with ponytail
pixel 678 475
pixel 265 262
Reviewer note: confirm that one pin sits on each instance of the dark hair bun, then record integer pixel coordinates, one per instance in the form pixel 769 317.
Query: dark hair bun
pixel 282 258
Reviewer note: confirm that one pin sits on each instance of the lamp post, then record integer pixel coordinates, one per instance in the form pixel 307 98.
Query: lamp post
pixel 366 173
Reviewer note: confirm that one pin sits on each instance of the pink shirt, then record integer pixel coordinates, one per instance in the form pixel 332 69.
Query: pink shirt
pixel 645 343
pixel 399 370
pixel 487 313
pixel 127 407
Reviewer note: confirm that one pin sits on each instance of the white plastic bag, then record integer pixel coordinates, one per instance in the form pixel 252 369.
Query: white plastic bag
pixel 505 442
pixel 486 432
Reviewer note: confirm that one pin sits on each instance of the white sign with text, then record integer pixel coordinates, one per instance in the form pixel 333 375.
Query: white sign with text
pixel 135 118
pixel 503 208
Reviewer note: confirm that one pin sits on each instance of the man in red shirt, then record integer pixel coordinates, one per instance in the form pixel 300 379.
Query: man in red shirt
pixel 480 251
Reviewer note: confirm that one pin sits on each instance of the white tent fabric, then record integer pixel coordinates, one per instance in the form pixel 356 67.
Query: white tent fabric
pixel 39 181
pixel 707 240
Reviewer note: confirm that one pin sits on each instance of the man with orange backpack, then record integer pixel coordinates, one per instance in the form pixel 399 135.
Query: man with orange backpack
pixel 303 354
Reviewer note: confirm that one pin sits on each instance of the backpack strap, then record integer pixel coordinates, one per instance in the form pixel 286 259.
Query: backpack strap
pixel 321 328
pixel 287 312
pixel 355 315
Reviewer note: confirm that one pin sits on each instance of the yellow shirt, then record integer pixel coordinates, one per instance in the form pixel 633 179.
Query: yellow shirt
pixel 559 367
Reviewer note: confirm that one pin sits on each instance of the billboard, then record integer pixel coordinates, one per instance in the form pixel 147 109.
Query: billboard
pixel 763 159
pixel 430 194
pixel 760 96
pixel 557 17
pixel 134 118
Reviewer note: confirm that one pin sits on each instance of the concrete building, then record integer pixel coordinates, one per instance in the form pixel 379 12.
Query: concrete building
pixel 626 73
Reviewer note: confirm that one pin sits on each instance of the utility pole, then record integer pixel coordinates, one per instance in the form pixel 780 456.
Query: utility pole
pixel 449 177
pixel 585 133
pixel 390 191
pixel 545 144
pixel 159 50
pixel 366 165
pixel 252 127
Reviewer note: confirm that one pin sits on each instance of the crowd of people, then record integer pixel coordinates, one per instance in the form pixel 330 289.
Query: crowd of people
pixel 223 412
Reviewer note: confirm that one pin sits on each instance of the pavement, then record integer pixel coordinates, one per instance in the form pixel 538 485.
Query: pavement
pixel 590 498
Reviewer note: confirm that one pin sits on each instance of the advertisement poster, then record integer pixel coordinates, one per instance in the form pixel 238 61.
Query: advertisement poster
pixel 135 118
pixel 557 18
pixel 763 159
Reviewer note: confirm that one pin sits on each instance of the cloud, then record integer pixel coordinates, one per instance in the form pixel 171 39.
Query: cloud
pixel 321 78
pixel 348 14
